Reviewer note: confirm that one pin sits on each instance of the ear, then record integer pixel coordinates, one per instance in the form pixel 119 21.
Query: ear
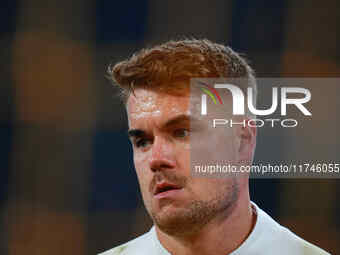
pixel 247 143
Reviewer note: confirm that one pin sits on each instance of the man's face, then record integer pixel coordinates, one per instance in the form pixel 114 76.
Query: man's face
pixel 159 129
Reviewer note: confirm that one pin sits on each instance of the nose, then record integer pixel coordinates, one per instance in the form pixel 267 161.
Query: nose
pixel 162 155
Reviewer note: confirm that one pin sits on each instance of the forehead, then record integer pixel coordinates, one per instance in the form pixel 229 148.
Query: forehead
pixel 145 103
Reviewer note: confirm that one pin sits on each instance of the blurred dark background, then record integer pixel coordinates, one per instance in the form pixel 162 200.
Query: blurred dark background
pixel 67 183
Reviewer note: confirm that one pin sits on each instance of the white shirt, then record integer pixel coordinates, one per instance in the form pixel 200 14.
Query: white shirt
pixel 267 238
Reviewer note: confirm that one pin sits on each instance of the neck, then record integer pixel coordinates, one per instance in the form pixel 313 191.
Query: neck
pixel 221 236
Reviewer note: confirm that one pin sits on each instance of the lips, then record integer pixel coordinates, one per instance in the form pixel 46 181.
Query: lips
pixel 163 187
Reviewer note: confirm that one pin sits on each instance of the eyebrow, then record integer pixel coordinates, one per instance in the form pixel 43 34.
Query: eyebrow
pixel 136 133
pixel 178 119
pixel 133 133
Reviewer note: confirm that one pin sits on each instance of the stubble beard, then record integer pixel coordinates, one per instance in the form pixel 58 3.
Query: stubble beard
pixel 190 220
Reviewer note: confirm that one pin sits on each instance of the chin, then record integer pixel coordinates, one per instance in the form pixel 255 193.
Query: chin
pixel 179 221
pixel 172 222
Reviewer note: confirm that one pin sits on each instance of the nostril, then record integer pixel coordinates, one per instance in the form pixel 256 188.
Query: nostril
pixel 159 166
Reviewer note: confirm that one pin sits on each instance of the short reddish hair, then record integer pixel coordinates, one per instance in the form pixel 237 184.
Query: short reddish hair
pixel 165 64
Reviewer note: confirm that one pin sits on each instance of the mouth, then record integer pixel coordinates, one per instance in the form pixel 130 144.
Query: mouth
pixel 164 188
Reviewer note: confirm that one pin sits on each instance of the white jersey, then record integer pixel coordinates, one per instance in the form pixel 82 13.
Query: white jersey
pixel 267 238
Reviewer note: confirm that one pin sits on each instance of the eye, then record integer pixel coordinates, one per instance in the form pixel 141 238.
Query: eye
pixel 142 143
pixel 181 133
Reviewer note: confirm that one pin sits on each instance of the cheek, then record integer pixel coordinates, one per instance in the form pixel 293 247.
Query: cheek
pixel 222 142
pixel 140 160
pixel 144 180
pixel 141 166
pixel 183 157
pixel 208 188
pixel 213 149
